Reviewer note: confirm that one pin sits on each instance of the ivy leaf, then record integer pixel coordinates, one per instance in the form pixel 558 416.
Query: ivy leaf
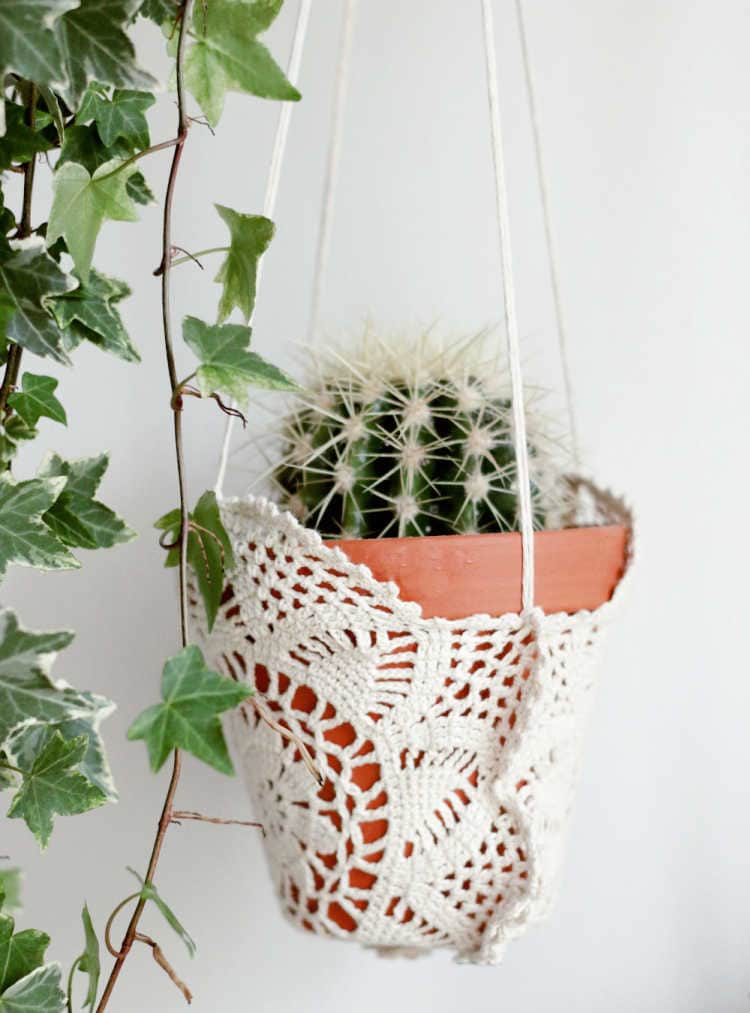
pixel 20 142
pixel 96 45
pixel 53 785
pixel 188 718
pixel 81 204
pixel 10 890
pixel 89 961
pixel 139 189
pixel 227 364
pixel 38 992
pixel 30 278
pixel 149 892
pixel 20 952
pixel 121 116
pixel 36 398
pixel 250 236
pixel 209 550
pixel 24 539
pixel 28 45
pixel 90 313
pixel 160 11
pixel 76 517
pixel 227 55
pixel 13 432
pixel 32 705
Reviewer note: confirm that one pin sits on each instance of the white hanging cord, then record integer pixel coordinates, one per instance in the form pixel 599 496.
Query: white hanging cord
pixel 511 321
pixel 549 239
pixel 332 169
pixel 272 192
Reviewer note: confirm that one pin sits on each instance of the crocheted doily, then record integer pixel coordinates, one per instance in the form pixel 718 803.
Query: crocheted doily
pixel 449 748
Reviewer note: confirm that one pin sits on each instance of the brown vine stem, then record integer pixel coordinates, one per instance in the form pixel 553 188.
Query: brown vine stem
pixel 13 364
pixel 189 814
pixel 165 819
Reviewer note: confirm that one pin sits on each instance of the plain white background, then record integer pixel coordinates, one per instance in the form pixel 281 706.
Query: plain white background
pixel 644 112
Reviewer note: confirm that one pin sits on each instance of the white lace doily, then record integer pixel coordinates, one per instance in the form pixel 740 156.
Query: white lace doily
pixel 450 748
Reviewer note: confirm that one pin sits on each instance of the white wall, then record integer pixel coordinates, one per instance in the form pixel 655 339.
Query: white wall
pixel 644 107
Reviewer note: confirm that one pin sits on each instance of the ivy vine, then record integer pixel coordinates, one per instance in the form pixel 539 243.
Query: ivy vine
pixel 75 103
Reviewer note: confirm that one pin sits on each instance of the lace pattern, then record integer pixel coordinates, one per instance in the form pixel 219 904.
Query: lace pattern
pixel 450 749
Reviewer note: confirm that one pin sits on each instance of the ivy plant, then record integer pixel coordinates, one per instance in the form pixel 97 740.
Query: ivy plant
pixel 75 103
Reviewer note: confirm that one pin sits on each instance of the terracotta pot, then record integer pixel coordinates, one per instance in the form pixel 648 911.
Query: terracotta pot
pixel 453 576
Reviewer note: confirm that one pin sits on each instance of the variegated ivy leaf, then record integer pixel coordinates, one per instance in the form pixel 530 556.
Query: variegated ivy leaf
pixel 53 784
pixel 90 313
pixel 250 236
pixel 29 279
pixel 32 704
pixel 38 992
pixel 24 538
pixel 227 364
pixel 96 47
pixel 29 46
pixel 81 204
pixel 227 56
pixel 10 890
pixel 76 517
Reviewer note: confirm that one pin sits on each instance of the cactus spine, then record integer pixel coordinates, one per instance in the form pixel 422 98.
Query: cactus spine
pixel 409 442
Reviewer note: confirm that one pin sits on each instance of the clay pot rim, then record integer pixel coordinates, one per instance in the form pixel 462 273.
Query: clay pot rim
pixel 483 535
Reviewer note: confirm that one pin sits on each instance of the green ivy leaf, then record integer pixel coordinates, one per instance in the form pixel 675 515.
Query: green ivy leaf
pixel 209 550
pixel 89 962
pixel 20 142
pixel 96 45
pixel 30 278
pixel 160 11
pixel 81 204
pixel 28 45
pixel 24 539
pixel 188 718
pixel 121 116
pixel 90 313
pixel 250 236
pixel 10 890
pixel 76 517
pixel 20 952
pixel 36 398
pixel 54 785
pixel 226 55
pixel 38 992
pixel 227 364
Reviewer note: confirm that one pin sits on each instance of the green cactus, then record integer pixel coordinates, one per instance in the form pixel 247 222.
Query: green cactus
pixel 407 443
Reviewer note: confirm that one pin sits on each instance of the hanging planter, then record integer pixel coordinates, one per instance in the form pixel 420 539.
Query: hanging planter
pixel 430 652
pixel 444 718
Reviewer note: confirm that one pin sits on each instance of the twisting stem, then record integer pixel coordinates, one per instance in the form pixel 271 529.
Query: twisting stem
pixel 166 813
pixel 199 253
pixel 15 352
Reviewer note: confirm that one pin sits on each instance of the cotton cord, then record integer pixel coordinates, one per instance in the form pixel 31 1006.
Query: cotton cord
pixel 549 238
pixel 332 169
pixel 511 321
pixel 272 192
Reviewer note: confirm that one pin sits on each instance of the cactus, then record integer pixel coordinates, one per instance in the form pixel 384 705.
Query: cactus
pixel 409 441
